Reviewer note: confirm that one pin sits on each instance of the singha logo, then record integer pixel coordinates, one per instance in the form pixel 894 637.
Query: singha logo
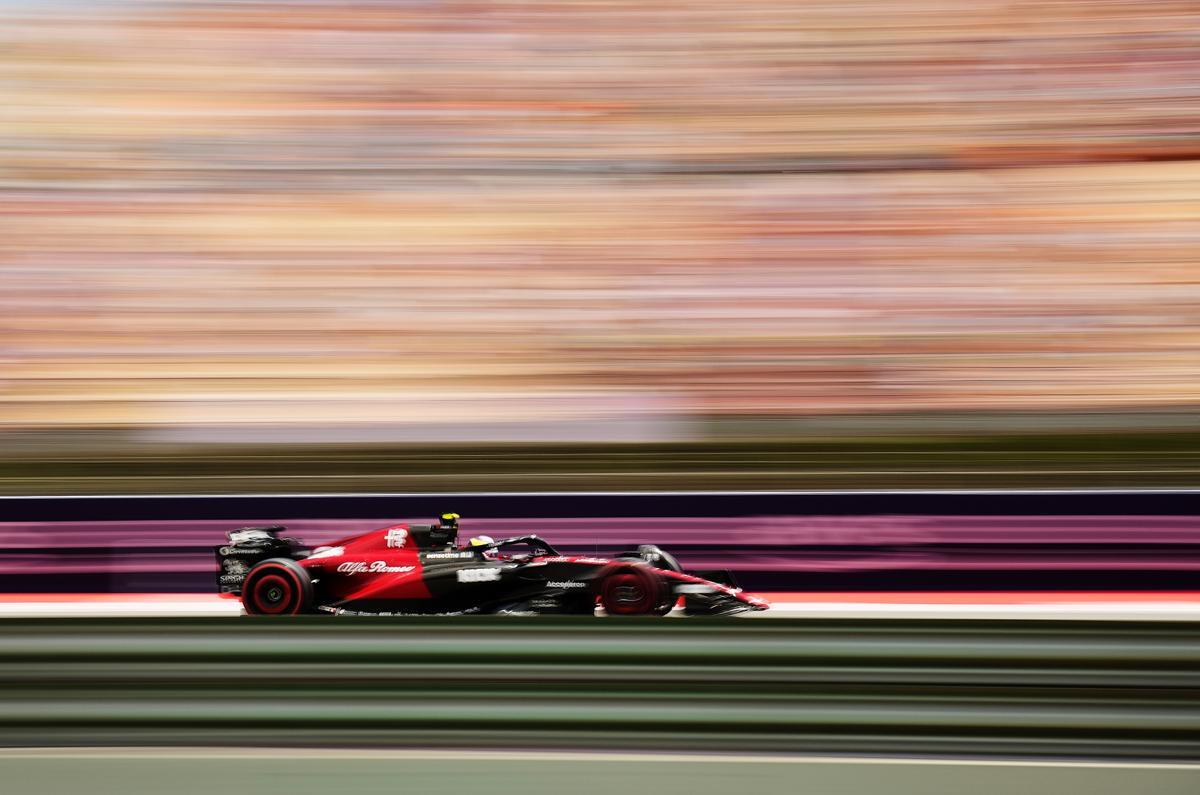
pixel 234 571
pixel 235 567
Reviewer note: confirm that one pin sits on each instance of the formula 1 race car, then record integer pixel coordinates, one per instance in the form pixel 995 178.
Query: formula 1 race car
pixel 420 569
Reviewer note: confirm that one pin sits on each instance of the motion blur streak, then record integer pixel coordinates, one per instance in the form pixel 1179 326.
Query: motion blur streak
pixel 486 216
pixel 320 246
pixel 970 687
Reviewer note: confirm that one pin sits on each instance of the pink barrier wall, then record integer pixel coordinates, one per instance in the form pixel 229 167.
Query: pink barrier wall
pixel 764 543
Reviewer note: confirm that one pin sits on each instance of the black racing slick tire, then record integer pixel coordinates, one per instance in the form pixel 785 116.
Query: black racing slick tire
pixel 277 587
pixel 634 590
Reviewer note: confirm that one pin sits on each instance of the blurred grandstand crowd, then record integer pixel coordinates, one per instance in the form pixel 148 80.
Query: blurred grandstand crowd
pixel 321 213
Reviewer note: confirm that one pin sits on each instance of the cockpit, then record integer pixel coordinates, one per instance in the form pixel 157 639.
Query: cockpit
pixel 518 548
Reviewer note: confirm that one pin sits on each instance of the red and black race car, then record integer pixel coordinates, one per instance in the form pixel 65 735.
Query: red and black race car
pixel 420 569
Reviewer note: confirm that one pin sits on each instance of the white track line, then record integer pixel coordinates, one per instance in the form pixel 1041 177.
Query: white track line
pixel 182 606
pixel 203 607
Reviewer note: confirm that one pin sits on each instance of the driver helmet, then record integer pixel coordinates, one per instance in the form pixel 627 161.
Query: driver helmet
pixel 480 541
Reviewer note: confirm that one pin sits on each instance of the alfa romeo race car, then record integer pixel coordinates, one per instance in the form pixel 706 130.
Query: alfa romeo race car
pixel 420 569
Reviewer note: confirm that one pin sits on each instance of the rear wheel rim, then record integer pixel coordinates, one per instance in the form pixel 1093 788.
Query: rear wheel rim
pixel 273 594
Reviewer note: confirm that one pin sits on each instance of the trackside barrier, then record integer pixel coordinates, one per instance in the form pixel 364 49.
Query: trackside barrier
pixel 775 541
pixel 1044 688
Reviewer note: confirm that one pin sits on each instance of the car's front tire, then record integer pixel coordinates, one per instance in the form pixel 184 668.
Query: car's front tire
pixel 277 587
pixel 634 590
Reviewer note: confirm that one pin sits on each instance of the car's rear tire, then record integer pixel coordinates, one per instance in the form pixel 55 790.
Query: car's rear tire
pixel 634 590
pixel 277 587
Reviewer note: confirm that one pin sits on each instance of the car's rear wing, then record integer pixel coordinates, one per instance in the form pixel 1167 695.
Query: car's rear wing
pixel 251 533
pixel 247 547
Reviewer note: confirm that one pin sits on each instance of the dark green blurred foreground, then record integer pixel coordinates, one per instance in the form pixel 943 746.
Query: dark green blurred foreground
pixel 1089 689
pixel 113 772
pixel 766 457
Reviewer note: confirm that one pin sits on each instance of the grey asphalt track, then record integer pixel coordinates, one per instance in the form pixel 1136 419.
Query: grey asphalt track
pixel 316 772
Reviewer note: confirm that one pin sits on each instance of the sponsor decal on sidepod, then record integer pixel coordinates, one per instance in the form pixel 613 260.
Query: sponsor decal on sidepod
pixel 478 575
pixel 379 566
